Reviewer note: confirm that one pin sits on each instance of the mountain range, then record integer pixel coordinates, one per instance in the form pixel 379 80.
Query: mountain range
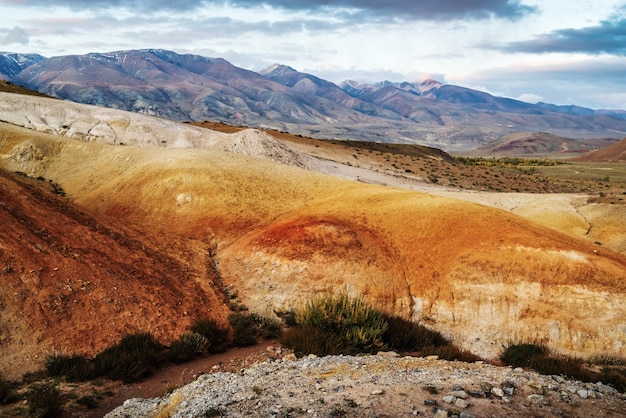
pixel 186 87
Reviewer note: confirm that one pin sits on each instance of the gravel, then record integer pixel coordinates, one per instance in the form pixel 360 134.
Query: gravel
pixel 383 385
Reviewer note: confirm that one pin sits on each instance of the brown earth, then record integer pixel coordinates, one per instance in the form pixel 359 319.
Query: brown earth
pixel 614 153
pixel 76 282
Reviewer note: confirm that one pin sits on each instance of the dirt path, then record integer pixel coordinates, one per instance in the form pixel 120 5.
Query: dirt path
pixel 174 376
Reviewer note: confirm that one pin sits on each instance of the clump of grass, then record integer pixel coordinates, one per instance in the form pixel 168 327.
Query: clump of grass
pixel 360 325
pixel 188 346
pixel 249 328
pixel 307 339
pixel 614 377
pixel 520 355
pixel 216 335
pixel 73 368
pixel 45 400
pixel 340 325
pixel 132 359
pixel 405 335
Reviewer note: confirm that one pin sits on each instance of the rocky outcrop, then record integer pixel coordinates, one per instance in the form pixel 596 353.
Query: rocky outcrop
pixel 373 385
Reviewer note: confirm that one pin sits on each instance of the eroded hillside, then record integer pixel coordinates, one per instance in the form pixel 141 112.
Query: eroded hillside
pixel 282 234
pixel 74 281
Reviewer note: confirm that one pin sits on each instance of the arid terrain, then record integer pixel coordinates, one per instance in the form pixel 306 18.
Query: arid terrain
pixel 114 222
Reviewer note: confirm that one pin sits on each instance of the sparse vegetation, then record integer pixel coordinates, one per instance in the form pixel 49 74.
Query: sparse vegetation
pixel 188 346
pixel 248 328
pixel 132 359
pixel 539 358
pixel 72 368
pixel 7 391
pixel 341 325
pixel 216 335
pixel 45 400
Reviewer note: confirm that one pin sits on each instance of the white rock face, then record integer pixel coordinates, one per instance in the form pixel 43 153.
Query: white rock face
pixel 116 127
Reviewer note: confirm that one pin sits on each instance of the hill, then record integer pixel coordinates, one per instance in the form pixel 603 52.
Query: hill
pixel 537 144
pixel 195 88
pixel 281 235
pixel 75 281
pixel 612 153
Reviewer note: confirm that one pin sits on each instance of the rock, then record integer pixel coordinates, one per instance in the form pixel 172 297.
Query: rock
pixel 465 414
pixel 456 388
pixel 498 392
pixel 537 399
pixel 461 403
pixel 559 379
pixel 582 393
pixel 440 413
pixel 449 399
pixel 388 354
pixel 378 392
pixel 432 358
pixel 459 394
pixel 290 357
pixel 430 402
pixel 509 390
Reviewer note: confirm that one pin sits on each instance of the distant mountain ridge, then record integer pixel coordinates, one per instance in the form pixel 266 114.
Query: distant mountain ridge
pixel 188 87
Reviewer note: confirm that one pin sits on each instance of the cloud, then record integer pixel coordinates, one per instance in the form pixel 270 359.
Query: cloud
pixel 589 80
pixel 17 35
pixel 356 9
pixel 609 37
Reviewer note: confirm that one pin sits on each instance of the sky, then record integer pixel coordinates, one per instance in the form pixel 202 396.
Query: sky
pixel 566 52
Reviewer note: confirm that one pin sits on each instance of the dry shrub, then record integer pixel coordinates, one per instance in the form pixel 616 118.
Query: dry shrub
pixel 136 356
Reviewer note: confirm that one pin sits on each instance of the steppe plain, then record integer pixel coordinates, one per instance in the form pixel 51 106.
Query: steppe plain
pixel 157 218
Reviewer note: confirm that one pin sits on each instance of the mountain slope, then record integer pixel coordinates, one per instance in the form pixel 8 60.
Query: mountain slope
pixel 191 87
pixel 540 144
pixel 60 264
pixel 12 64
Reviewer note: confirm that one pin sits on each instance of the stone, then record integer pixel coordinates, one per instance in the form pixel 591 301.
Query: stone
pixel 582 393
pixel 465 414
pixel 377 392
pixel 388 354
pixel 536 399
pixel 559 379
pixel 461 403
pixel 486 386
pixel 459 394
pixel 498 392
pixel 509 390
pixel 430 402
pixel 449 399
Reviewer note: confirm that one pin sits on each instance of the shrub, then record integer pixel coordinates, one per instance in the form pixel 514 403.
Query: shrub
pixel 307 339
pixel 405 335
pixel 73 368
pixel 132 359
pixel 216 335
pixel 45 400
pixel 520 355
pixel 248 328
pixel 450 352
pixel 359 324
pixel 561 365
pixel 188 346
pixel 245 329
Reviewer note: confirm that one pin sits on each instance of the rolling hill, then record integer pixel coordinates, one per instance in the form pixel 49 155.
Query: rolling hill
pixel 278 235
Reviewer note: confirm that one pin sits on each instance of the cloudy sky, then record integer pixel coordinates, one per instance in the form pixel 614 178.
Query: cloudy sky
pixel 557 51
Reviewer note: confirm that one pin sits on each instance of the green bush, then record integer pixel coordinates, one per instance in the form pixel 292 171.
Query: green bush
pixel 216 335
pixel 133 358
pixel 520 355
pixel 45 400
pixel 73 368
pixel 561 365
pixel 352 319
pixel 187 347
